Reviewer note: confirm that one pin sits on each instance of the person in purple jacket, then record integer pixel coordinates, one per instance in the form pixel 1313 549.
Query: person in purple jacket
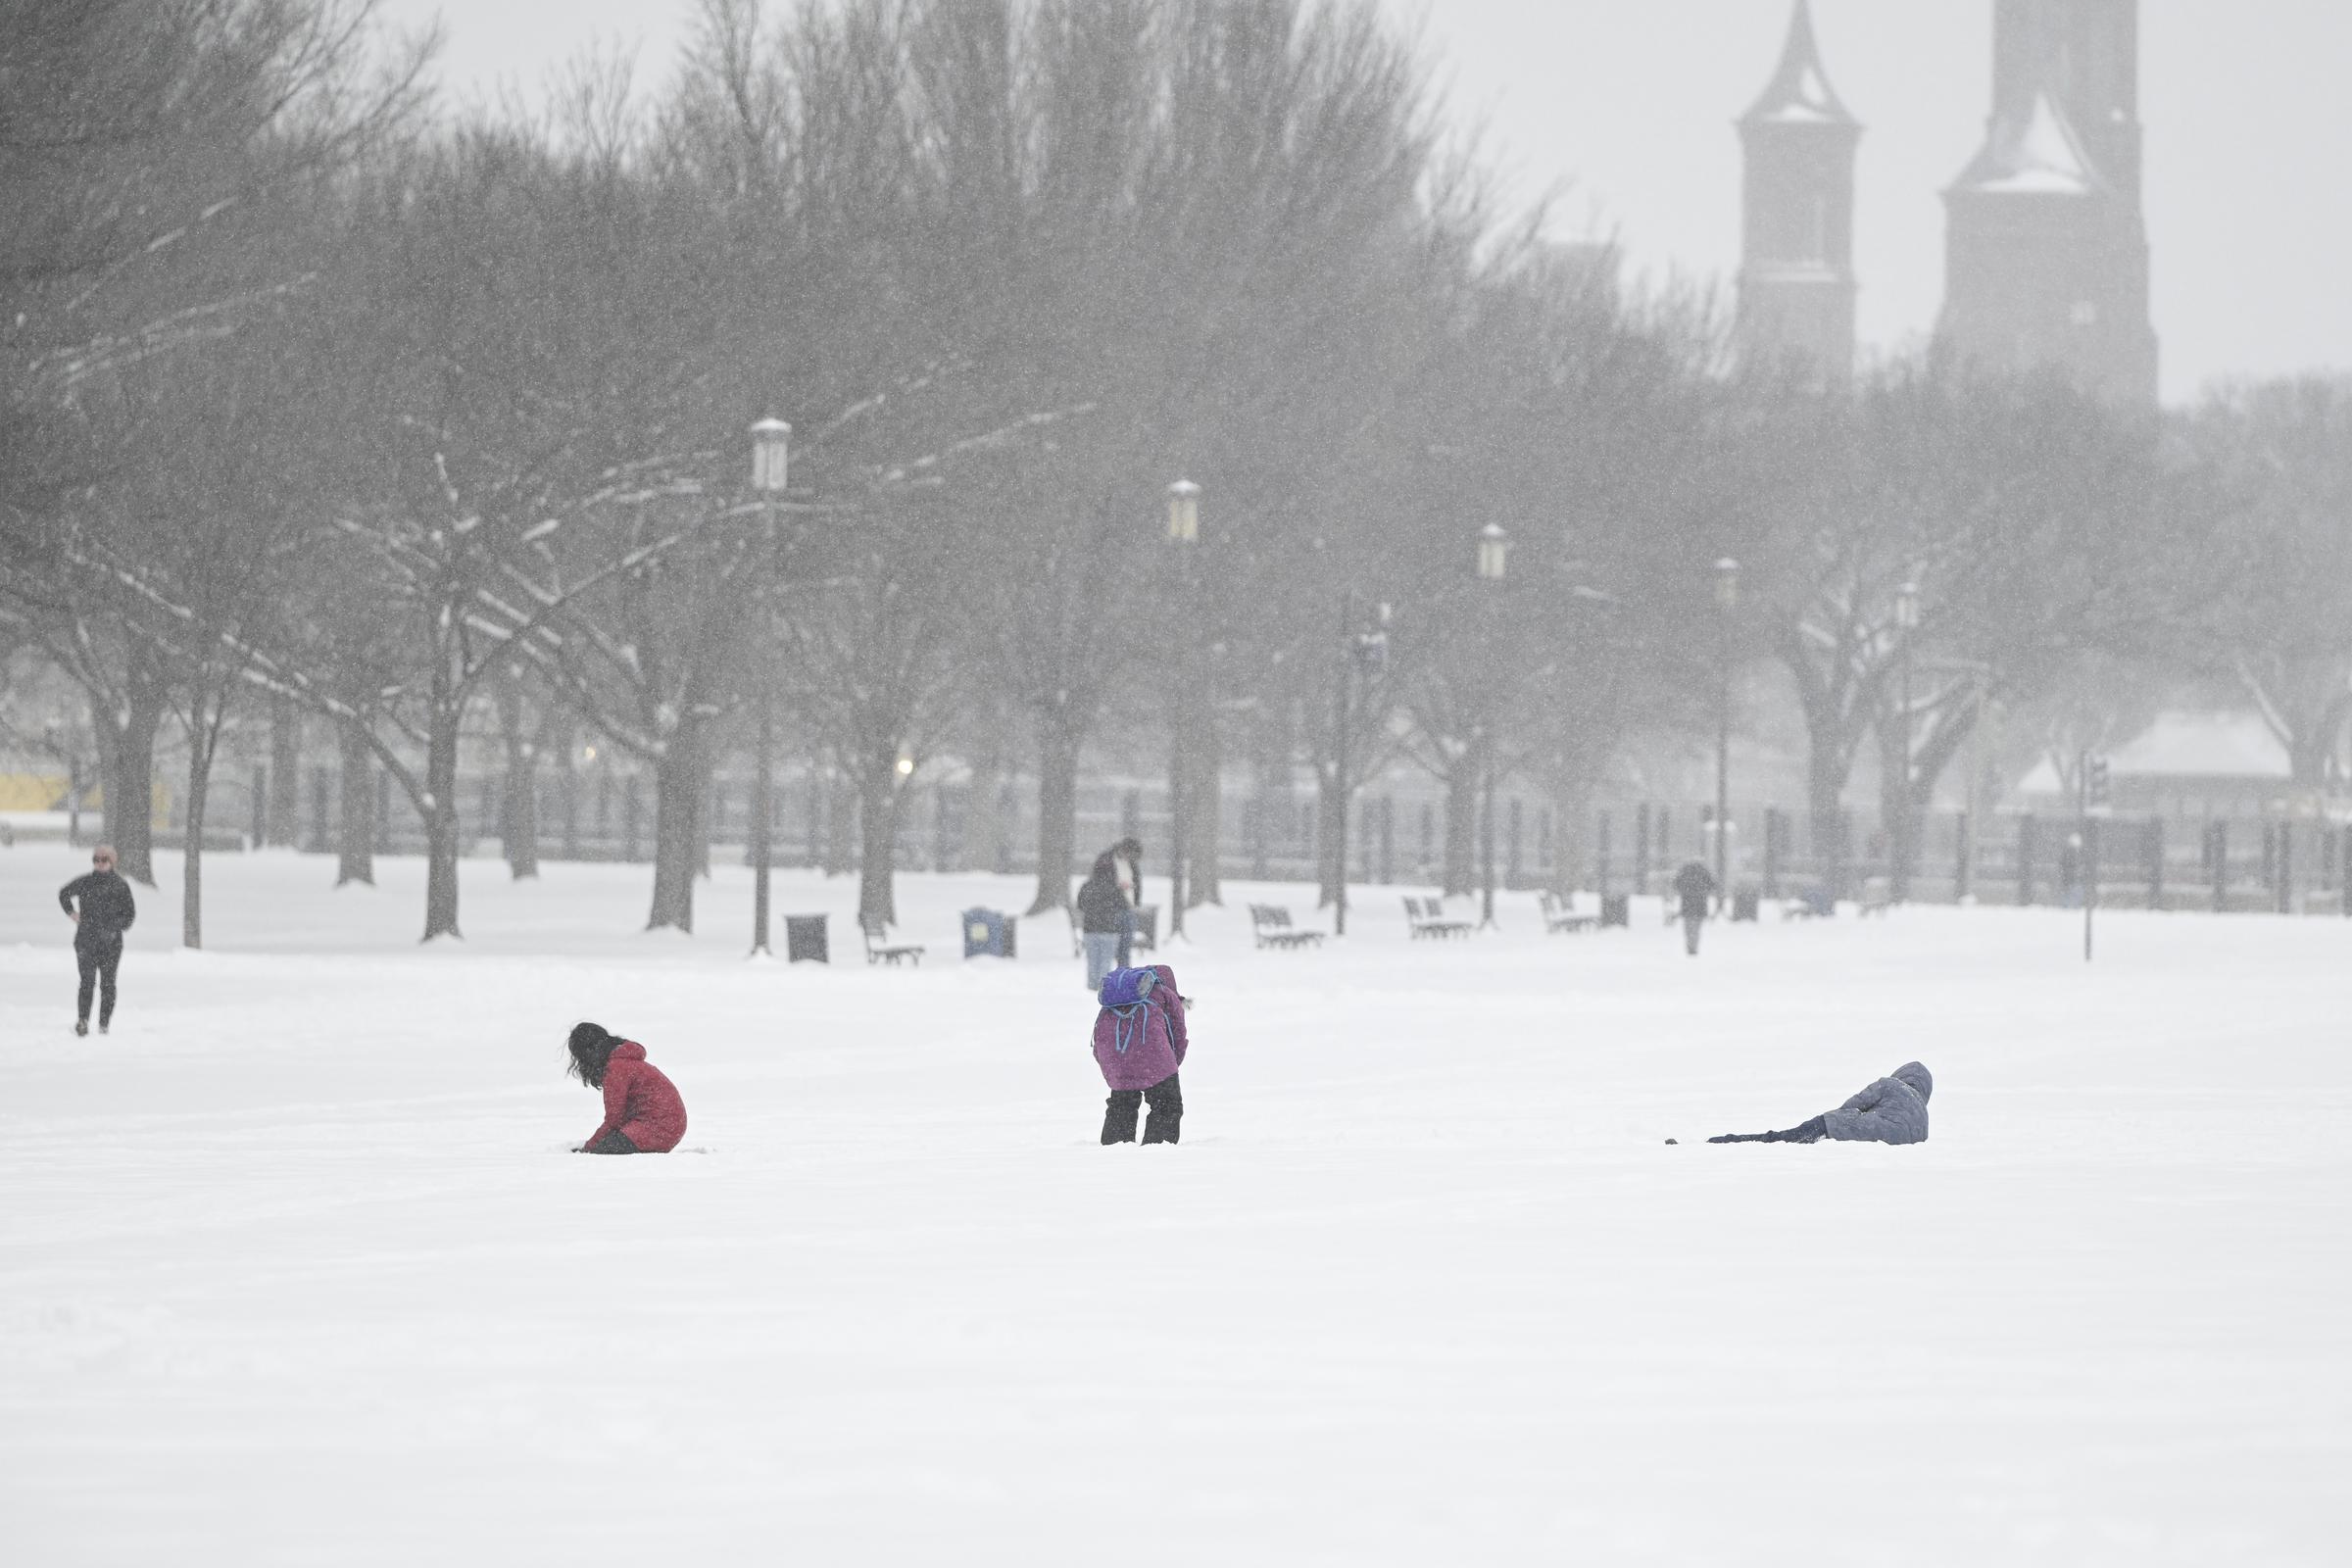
pixel 1139 1044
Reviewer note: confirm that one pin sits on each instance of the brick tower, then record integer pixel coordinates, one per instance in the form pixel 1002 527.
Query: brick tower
pixel 1796 273
pixel 2046 259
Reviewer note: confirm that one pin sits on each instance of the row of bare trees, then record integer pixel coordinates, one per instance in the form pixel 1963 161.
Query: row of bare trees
pixel 325 401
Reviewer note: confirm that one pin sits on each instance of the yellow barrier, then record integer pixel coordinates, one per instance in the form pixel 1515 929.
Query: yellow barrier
pixel 44 792
pixel 31 792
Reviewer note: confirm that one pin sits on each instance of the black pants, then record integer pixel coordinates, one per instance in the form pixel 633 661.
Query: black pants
pixel 614 1141
pixel 1167 1112
pixel 98 960
pixel 1695 921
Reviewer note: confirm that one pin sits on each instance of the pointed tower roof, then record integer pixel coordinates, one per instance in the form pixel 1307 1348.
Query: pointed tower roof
pixel 1801 93
pixel 2039 154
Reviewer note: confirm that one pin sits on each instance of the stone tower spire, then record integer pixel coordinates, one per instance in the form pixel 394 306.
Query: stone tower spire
pixel 1796 273
pixel 2046 248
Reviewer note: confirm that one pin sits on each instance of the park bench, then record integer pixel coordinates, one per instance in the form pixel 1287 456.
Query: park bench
pixel 1272 924
pixel 1426 917
pixel 1812 904
pixel 879 948
pixel 1559 914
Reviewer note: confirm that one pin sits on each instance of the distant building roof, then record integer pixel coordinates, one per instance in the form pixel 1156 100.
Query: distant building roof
pixel 2037 155
pixel 2188 746
pixel 1801 93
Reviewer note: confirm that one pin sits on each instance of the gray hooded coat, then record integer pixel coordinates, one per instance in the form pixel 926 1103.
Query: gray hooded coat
pixel 1892 1111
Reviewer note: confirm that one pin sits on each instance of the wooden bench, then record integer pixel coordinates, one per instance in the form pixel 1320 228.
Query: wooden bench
pixel 1812 904
pixel 1426 917
pixel 1559 914
pixel 1272 924
pixel 879 948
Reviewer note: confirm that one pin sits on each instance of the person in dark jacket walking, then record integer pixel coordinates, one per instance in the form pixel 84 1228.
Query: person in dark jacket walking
pixel 643 1112
pixel 1104 914
pixel 1128 856
pixel 1140 1041
pixel 107 911
pixel 1892 1111
pixel 1695 886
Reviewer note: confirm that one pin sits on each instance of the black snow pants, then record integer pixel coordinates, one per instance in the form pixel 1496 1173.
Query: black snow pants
pixel 98 960
pixel 1167 1112
pixel 614 1141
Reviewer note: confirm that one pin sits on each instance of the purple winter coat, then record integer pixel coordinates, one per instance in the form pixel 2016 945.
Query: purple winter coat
pixel 1153 1034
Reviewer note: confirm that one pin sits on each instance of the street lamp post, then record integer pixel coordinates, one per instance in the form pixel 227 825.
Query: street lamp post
pixel 1906 621
pixel 1184 534
pixel 1365 650
pixel 772 447
pixel 1727 602
pixel 1494 561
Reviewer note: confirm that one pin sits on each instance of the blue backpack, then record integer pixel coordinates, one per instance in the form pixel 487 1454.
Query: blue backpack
pixel 1126 995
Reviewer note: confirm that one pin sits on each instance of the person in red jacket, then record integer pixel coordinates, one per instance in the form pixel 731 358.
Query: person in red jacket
pixel 643 1113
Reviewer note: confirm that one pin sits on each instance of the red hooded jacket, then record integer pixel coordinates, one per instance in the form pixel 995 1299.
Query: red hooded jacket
pixel 641 1102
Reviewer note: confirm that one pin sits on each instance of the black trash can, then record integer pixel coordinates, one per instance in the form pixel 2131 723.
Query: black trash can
pixel 989 934
pixel 1747 904
pixel 1616 908
pixel 804 939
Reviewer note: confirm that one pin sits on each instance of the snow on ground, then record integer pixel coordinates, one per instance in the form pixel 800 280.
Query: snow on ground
pixel 295 1267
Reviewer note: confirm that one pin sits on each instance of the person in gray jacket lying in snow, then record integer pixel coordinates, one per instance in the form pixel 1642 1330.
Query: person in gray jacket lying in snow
pixel 1892 1111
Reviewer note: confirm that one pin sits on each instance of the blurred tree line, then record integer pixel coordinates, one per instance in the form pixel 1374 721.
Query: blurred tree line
pixel 319 398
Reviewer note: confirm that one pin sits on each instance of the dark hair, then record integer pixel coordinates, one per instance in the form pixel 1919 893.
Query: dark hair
pixel 591 1053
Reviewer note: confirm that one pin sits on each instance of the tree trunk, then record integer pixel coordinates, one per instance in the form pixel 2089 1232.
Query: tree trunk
pixel 127 773
pixel 878 799
pixel 704 805
pixel 1572 832
pixel 1057 813
pixel 1829 763
pixel 567 788
pixel 841 823
pixel 285 774
pixel 191 882
pixel 355 829
pixel 518 806
pixel 681 779
pixel 440 815
pixel 1331 844
pixel 522 839
pixel 1461 825
pixel 983 827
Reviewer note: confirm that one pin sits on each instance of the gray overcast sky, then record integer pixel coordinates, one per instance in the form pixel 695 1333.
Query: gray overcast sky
pixel 1627 104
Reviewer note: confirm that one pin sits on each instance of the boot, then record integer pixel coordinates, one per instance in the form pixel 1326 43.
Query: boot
pixel 1118 1115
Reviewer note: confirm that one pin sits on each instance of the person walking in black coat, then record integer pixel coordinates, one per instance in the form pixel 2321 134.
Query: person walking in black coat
pixel 1103 915
pixel 1695 886
pixel 1128 854
pixel 107 911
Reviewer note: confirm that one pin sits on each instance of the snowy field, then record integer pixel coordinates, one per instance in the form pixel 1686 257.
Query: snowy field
pixel 295 1267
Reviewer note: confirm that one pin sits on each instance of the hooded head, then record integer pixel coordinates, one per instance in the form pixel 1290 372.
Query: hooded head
pixel 1106 866
pixel 1918 1077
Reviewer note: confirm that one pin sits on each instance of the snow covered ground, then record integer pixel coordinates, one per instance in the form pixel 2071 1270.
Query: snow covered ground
pixel 295 1267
